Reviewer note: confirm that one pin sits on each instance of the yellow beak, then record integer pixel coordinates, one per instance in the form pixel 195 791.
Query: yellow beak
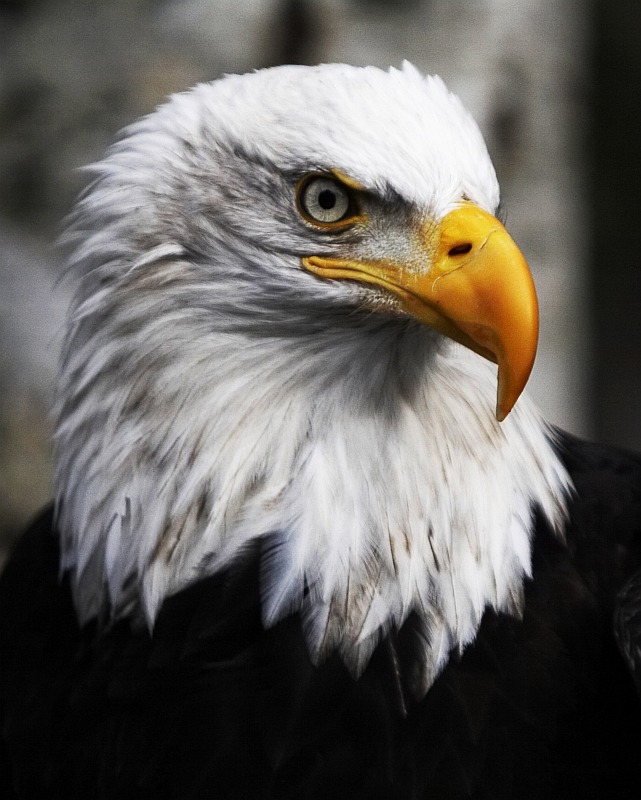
pixel 475 287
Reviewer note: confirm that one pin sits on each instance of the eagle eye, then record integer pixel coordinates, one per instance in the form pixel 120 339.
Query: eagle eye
pixel 324 200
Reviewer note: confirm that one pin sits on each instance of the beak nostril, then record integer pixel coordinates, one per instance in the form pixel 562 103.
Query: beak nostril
pixel 460 249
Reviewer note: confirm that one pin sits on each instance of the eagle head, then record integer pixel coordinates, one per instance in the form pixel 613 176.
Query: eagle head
pixel 292 289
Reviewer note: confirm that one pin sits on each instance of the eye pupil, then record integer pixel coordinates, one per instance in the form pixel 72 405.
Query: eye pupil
pixel 324 200
pixel 327 199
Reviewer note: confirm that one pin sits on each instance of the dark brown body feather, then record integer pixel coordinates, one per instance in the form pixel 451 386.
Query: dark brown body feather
pixel 213 705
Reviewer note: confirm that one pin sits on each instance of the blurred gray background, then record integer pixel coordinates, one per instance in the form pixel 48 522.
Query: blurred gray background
pixel 555 85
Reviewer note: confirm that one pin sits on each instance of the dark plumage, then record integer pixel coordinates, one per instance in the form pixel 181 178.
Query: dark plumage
pixel 213 704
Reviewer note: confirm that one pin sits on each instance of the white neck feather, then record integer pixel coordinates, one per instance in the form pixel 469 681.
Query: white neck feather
pixel 384 488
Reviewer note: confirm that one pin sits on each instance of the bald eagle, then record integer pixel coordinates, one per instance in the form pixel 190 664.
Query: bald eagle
pixel 305 542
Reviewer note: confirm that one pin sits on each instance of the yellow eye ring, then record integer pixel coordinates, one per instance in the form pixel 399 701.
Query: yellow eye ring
pixel 326 202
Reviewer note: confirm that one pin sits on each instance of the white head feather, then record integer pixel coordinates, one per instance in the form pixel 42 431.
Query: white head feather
pixel 213 392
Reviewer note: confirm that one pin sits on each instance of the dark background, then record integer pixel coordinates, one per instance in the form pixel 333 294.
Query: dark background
pixel 614 164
